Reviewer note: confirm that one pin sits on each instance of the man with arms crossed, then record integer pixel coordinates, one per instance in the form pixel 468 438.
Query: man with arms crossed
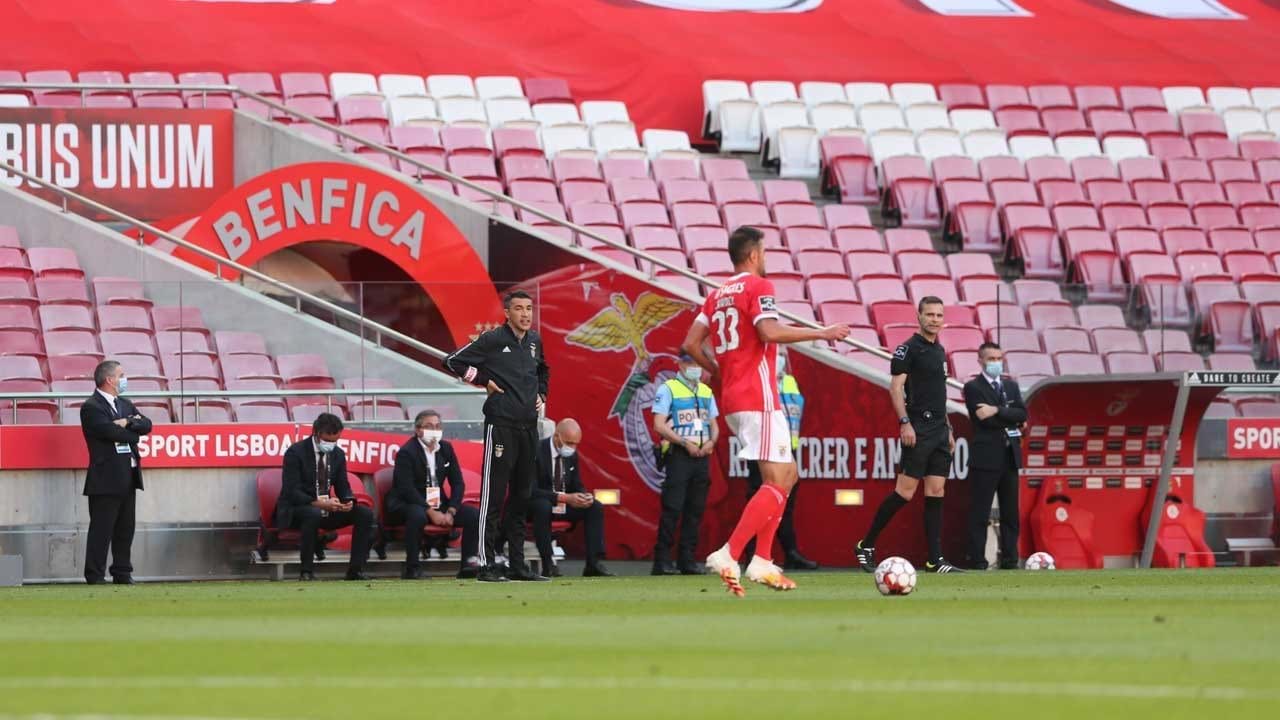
pixel 741 321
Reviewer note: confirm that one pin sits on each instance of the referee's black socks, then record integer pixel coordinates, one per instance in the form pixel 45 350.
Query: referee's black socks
pixel 933 526
pixel 888 508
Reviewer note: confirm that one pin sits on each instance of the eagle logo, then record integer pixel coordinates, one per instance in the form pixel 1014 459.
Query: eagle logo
pixel 620 326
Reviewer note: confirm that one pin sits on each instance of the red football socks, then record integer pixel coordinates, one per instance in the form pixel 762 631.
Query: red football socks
pixel 760 520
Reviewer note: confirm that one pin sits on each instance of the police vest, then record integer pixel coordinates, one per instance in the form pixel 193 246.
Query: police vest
pixel 685 407
pixel 793 404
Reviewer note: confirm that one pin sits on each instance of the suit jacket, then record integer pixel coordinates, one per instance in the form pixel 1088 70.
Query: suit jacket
pixel 409 479
pixel 298 480
pixel 546 466
pixel 990 448
pixel 111 473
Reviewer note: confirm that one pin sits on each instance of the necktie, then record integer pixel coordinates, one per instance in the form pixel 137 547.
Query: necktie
pixel 322 475
pixel 559 484
pixel 996 385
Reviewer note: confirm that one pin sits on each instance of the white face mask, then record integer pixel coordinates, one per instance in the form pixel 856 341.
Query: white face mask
pixel 326 446
pixel 430 436
pixel 564 450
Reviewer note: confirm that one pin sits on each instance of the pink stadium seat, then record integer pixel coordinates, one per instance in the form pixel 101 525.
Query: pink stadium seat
pixel 711 262
pixel 1226 170
pixel 362 111
pixel 910 193
pixel 644 213
pixel 1076 363
pixel 61 317
pixel 823 289
pixel 1066 339
pixel 320 108
pixel 843 311
pixel 512 141
pixel 1128 362
pixel 875 290
pixel 1158 340
pixel 584 191
pixel 1102 276
pixel 52 262
pixel 524 167
pixel 596 214
pixel 917 264
pixel 957 96
pixel 724 168
pixel 851 239
pixel 175 342
pixel 1156 122
pixel 123 342
pixel 675 168
pixel 971 265
pixel 1004 96
pixel 1143 265
pixel 1232 361
pixel 1107 122
pixel 1050 314
pixel 234 367
pixel 538 191
pixel 1118 215
pixel 785 191
pixel 1102 191
pixel 870 263
pixel 575 168
pixel 1195 192
pixel 1178 240
pixel 473 167
pixel 954 167
pixel 1048 168
pixel 735 191
pixel 1246 192
pixel 1197 124
pixel 1148 192
pixel 1117 339
pixel 1213 147
pixel 980 290
pixel 846 216
pixel 1034 291
pixel 303 84
pixel 1065 121
pixel 807 238
pixel 1029 363
pixel 757 216
pixel 1259 216
pixel 1019 121
pixel 71 367
pixel 691 214
pixel 22 317
pixel 1035 241
pixel 72 342
pixel 1165 300
pixel 1215 215
pixel 1082 240
pixel 1168 215
pixel 1231 323
pixel 1170 147
pixel 1141 168
pixel 1054 192
pixel 546 90
pixel 944 288
pixel 13 264
pixel 1259 149
pixel 795 215
pixel 1001 167
pixel 1046 97
pixel 1017 339
pixel 701 238
pixel 1002 315
pixel 21 367
pixel 1089 97
pixel 1075 215
pixel 626 190
pixel 681 190
pixel 847 167
pixel 1193 266
pixel 821 263
pixel 1179 361
pixel 59 291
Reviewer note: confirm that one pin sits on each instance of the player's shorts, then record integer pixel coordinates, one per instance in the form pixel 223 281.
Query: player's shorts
pixel 764 436
pixel 931 455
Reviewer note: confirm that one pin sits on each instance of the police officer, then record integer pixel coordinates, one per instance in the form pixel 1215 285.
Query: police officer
pixel 995 405
pixel 793 404
pixel 918 391
pixel 507 361
pixel 684 416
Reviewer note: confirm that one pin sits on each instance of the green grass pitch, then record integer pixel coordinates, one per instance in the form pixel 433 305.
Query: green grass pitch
pixel 1080 645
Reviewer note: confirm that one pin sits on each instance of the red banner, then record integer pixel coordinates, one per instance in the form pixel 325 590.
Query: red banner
pixel 149 163
pixel 205 446
pixel 352 204
pixel 1253 438
pixel 611 340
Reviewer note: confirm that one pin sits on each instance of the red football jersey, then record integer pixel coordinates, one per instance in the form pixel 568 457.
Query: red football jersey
pixel 748 366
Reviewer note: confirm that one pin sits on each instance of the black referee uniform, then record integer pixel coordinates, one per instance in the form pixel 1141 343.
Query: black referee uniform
pixel 925 365
pixel 517 366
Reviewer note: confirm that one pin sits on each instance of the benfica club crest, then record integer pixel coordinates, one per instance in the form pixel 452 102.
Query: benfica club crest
pixel 622 326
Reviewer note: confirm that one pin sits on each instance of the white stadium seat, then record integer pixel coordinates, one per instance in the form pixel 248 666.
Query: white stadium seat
pixel 1245 123
pixel 1024 147
pixel 498 86
pixel 874 117
pixel 343 84
pixel 861 93
pixel 14 100
pixel 1180 98
pixel 767 92
pixel 556 114
pixel 798 152
pixel 925 116
pixel 715 92
pixel 1265 98
pixel 777 116
pixel 833 116
pixel 979 144
pixel 906 94
pixel 598 111
pixel 444 86
pixel 1273 120
pixel 1075 146
pixel 394 86
pixel 573 140
pixel 739 123
pixel 939 142
pixel 461 110
pixel 405 110
pixel 817 93
pixel 1222 98
pixel 509 112
pixel 892 142
pixel 667 142
pixel 966 119
pixel 1123 147
pixel 616 140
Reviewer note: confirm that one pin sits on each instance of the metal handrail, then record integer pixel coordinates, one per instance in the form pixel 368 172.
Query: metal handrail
pixel 496 196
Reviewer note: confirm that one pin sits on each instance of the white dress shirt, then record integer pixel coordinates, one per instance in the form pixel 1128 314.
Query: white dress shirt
pixel 111 400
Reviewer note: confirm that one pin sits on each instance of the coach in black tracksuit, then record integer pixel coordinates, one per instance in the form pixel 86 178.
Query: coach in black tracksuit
pixel 507 361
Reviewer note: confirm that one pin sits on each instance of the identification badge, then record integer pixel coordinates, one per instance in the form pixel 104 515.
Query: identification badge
pixel 559 509
pixel 697 425
pixel 123 449
pixel 1013 432
pixel 433 497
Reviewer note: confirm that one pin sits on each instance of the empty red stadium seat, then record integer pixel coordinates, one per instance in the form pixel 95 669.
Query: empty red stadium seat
pixel 1066 339
pixel 1063 529
pixel 1129 362
pixel 1078 363
pixel 1231 323
pixel 1180 537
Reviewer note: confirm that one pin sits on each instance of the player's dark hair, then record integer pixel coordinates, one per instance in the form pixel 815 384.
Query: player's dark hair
pixel 987 346
pixel 326 424
pixel 742 242
pixel 428 413
pixel 929 300
pixel 513 296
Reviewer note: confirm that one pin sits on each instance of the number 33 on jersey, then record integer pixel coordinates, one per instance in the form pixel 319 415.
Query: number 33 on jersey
pixel 747 365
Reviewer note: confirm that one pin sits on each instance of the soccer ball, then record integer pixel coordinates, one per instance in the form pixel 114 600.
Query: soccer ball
pixel 1040 561
pixel 895 576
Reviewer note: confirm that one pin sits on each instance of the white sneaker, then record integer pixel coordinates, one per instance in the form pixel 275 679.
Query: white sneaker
pixel 766 573
pixel 722 563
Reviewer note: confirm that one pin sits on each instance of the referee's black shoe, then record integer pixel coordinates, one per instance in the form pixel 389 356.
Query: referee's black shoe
pixel 522 573
pixel 490 574
pixel 941 566
pixel 866 557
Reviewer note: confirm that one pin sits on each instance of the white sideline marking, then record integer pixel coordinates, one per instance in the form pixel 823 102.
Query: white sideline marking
pixel 957 687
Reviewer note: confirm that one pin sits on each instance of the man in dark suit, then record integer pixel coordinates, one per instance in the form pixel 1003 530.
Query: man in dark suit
pixel 111 427
pixel 418 495
pixel 559 495
pixel 995 454
pixel 311 467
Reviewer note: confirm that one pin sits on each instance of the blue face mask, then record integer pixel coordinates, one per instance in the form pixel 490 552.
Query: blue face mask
pixel 122 385
pixel 994 368
pixel 693 374
pixel 326 446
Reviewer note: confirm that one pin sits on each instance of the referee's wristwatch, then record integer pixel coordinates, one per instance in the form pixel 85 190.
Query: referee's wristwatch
pixel 904 420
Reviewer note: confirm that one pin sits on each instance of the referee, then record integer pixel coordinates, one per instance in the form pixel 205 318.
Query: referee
pixel 508 362
pixel 918 390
